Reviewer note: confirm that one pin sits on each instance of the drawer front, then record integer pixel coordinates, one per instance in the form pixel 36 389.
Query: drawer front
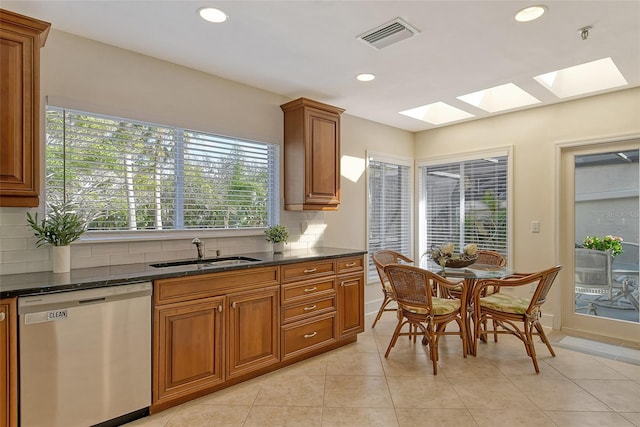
pixel 295 292
pixel 205 285
pixel 307 270
pixel 350 265
pixel 307 335
pixel 307 309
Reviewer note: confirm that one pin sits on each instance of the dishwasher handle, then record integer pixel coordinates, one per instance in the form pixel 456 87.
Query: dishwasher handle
pixel 92 300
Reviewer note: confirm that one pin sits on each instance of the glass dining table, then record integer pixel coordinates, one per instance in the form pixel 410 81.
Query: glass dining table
pixel 470 276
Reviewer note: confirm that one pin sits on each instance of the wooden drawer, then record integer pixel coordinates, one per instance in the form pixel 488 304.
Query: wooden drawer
pixel 306 309
pixel 200 286
pixel 307 270
pixel 350 265
pixel 307 335
pixel 299 292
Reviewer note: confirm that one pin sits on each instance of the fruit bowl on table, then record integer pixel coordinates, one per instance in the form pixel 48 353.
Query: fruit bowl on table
pixel 457 262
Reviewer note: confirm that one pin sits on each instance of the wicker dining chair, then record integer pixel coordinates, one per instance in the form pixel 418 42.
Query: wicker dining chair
pixel 415 291
pixel 487 257
pixel 381 259
pixel 507 311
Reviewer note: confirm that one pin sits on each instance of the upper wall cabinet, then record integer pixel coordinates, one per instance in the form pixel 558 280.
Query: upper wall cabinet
pixel 21 38
pixel 311 155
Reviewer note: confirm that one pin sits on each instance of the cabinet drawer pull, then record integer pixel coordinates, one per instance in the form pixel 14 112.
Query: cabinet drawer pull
pixel 313 307
pixel 234 304
pixel 350 264
pixel 2 316
pixel 311 335
pixel 220 308
pixel 310 270
pixel 311 289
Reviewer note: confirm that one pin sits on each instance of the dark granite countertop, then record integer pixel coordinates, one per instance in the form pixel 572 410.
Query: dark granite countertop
pixel 86 278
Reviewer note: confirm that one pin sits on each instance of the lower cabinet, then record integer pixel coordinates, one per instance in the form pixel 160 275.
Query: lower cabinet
pixel 217 329
pixel 8 363
pixel 350 305
pixel 189 351
pixel 253 332
pixel 350 288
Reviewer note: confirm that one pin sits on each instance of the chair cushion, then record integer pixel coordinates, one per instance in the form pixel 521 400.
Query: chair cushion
pixel 440 306
pixel 506 303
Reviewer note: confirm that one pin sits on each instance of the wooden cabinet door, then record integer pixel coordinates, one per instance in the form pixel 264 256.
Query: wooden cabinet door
pixel 322 180
pixel 253 330
pixel 311 155
pixel 8 364
pixel 350 305
pixel 188 352
pixel 20 40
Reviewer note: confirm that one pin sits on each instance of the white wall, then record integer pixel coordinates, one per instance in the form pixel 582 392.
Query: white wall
pixel 534 135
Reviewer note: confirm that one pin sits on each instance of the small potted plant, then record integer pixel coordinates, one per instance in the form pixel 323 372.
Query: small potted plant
pixel 277 234
pixel 61 226
pixel 604 243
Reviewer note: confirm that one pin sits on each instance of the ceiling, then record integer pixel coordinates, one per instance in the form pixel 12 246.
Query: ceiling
pixel 310 48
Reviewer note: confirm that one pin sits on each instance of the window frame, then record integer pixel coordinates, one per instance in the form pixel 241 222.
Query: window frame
pixel 372 274
pixel 272 187
pixel 421 212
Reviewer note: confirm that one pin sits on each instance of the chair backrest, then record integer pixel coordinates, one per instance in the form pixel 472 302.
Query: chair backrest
pixel 545 280
pixel 486 257
pixel 384 257
pixel 409 285
pixel 416 286
pixel 592 271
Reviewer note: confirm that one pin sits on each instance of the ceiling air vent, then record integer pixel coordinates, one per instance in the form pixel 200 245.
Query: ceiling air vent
pixel 388 34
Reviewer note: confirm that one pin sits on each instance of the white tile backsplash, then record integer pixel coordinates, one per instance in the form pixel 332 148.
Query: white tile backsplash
pixel 18 252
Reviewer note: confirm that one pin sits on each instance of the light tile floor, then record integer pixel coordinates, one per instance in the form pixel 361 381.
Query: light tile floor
pixel 356 386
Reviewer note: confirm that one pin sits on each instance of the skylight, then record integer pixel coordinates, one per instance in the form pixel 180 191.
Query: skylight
pixel 437 113
pixel 499 98
pixel 582 79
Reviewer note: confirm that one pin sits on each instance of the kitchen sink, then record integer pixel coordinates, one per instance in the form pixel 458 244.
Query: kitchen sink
pixel 209 262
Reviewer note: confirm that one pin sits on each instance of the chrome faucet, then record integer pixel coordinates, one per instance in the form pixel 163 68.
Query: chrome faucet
pixel 199 247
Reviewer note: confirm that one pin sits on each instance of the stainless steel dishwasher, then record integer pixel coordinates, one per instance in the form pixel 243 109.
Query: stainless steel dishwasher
pixel 85 356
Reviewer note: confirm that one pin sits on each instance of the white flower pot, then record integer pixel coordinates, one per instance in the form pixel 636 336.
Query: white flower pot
pixel 61 259
pixel 278 247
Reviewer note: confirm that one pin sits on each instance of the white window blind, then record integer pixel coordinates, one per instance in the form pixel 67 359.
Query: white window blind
pixel 141 176
pixel 389 208
pixel 465 202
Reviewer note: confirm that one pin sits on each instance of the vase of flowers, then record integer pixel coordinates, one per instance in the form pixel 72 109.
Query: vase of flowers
pixel 278 235
pixel 604 243
pixel 61 226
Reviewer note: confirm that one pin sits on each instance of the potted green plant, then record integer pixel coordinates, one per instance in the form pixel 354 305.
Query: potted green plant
pixel 604 243
pixel 278 235
pixel 61 226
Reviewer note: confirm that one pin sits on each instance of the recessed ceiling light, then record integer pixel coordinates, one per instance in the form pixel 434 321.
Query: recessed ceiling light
pixel 499 98
pixel 437 113
pixel 581 79
pixel 365 77
pixel 530 13
pixel 212 14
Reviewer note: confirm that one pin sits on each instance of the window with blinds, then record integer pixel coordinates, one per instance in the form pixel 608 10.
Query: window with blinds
pixel 465 202
pixel 388 207
pixel 142 176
